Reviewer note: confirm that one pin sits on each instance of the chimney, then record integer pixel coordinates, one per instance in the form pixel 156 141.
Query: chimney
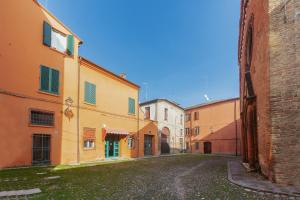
pixel 123 75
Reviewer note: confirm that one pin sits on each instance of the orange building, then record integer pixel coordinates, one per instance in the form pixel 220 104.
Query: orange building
pixel 213 127
pixel 52 109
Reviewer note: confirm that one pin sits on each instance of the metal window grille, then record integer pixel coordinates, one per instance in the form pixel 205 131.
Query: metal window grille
pixel 41 149
pixel 41 118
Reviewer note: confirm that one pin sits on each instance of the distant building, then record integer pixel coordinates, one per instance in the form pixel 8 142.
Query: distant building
pixel 214 127
pixel 269 52
pixel 170 119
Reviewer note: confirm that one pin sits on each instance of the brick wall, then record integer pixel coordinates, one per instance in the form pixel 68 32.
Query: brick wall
pixel 285 90
pixel 257 10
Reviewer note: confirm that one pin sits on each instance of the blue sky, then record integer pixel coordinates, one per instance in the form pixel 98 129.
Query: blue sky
pixel 178 49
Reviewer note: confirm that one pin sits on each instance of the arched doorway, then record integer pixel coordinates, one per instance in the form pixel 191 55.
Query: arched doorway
pixel 165 138
pixel 207 147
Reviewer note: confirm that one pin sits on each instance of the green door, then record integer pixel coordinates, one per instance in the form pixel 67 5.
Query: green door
pixel 116 149
pixel 111 148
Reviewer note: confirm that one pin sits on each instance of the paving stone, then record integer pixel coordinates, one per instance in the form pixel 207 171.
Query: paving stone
pixel 52 177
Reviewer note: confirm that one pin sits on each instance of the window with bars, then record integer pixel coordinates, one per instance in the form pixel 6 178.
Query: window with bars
pixel 197 130
pixel 187 131
pixel 89 92
pixel 41 149
pixel 89 144
pixel 41 118
pixel 49 80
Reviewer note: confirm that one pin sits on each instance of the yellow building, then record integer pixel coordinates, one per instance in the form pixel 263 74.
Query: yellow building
pixel 58 108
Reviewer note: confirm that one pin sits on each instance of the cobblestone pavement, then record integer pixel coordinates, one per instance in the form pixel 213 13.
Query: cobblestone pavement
pixel 176 177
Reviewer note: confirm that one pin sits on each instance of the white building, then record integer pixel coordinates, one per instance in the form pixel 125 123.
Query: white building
pixel 170 118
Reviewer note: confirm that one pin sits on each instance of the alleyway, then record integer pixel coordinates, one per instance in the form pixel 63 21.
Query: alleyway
pixel 176 177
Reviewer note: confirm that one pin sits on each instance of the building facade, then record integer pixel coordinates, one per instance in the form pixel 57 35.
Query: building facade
pixel 269 88
pixel 170 119
pixel 214 127
pixel 57 107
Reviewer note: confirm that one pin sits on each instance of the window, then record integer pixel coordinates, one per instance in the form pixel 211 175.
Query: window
pixel 181 143
pixel 89 144
pixel 249 48
pixel 187 145
pixel 41 149
pixel 181 119
pixel 131 106
pixel 41 118
pixel 187 131
pixel 58 41
pixel 89 93
pixel 147 113
pixel 187 117
pixel 181 132
pixel 49 80
pixel 89 138
pixel 130 142
pixel 166 114
pixel 196 115
pixel 55 39
pixel 197 145
pixel 197 130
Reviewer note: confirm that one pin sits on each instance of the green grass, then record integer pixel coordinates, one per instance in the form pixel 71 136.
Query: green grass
pixel 139 179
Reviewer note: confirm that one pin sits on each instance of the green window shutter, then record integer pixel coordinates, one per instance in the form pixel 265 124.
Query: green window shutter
pixel 54 81
pixel 131 106
pixel 47 34
pixel 89 93
pixel 44 78
pixel 70 45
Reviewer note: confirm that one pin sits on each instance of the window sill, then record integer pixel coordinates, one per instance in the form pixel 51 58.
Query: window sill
pixel 62 53
pixel 40 126
pixel 89 149
pixel 48 93
pixel 132 114
pixel 90 104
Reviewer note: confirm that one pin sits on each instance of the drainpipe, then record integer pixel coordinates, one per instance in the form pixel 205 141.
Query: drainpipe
pixel 138 125
pixel 236 139
pixel 78 100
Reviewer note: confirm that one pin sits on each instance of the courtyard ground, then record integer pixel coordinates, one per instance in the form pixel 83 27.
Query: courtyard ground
pixel 188 176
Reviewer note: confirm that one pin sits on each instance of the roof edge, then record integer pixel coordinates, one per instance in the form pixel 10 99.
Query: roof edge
pixel 60 22
pixel 156 100
pixel 86 61
pixel 211 103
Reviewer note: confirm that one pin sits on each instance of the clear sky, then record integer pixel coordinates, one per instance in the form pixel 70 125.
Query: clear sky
pixel 177 49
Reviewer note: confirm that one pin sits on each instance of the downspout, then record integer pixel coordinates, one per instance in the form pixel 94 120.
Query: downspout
pixel 138 125
pixel 236 128
pixel 78 100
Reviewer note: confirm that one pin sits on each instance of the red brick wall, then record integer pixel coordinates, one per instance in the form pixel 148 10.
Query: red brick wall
pixel 258 11
pixel 275 74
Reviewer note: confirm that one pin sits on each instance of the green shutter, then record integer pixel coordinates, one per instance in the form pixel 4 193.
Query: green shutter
pixel 54 81
pixel 47 34
pixel 89 93
pixel 70 45
pixel 131 106
pixel 44 78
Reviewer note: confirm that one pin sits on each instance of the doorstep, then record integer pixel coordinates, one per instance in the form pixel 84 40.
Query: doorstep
pixel 238 175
